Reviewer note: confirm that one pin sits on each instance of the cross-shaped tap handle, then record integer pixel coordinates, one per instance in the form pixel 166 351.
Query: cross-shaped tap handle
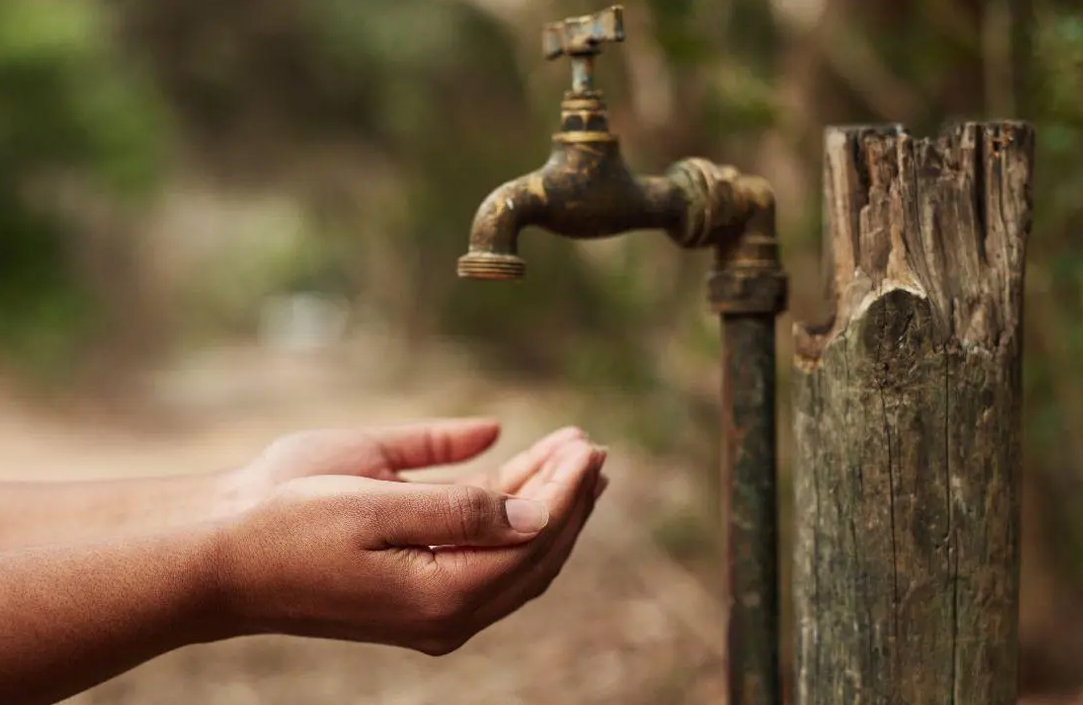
pixel 583 36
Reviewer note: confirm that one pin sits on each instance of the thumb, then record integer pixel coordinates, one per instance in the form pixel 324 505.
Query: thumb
pixel 456 515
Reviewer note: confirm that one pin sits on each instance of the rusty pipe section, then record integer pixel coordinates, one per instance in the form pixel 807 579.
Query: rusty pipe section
pixel 748 289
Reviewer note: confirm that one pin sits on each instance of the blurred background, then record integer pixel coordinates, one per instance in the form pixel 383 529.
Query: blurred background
pixel 221 221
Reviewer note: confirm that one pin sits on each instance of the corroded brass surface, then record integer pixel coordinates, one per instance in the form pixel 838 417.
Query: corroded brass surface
pixel 583 36
pixel 581 39
pixel 586 191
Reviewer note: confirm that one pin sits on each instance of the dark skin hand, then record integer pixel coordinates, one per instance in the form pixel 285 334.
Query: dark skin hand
pixel 317 537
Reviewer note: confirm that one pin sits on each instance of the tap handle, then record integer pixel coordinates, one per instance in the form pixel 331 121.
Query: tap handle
pixel 583 36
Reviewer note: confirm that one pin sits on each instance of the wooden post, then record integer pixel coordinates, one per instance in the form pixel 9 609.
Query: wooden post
pixel 907 422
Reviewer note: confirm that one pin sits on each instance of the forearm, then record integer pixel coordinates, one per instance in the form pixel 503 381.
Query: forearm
pixel 75 615
pixel 38 513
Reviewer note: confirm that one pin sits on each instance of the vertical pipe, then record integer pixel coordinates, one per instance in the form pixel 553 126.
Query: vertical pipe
pixel 749 508
pixel 748 288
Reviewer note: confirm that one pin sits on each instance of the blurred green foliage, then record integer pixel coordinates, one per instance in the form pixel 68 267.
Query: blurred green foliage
pixel 1052 374
pixel 69 104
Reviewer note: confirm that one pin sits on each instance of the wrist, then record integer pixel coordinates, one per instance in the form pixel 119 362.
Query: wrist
pixel 215 592
pixel 230 590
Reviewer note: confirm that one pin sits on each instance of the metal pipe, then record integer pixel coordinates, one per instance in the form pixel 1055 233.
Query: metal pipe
pixel 749 509
pixel 748 289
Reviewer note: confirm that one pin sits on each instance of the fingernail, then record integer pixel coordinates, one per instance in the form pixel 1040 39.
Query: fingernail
pixel 526 516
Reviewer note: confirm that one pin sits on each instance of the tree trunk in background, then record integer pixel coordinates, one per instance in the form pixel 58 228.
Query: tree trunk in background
pixel 907 422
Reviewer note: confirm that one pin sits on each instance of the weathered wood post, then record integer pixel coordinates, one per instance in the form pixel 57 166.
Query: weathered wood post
pixel 907 422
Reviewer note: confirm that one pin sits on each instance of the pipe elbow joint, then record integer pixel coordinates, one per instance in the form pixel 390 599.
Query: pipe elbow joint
pixel 748 277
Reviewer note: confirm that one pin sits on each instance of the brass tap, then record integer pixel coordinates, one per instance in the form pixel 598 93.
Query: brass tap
pixel 586 191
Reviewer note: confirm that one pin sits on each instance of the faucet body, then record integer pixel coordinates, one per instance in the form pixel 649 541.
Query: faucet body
pixel 585 191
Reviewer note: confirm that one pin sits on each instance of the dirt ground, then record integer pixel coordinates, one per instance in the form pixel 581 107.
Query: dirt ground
pixel 623 624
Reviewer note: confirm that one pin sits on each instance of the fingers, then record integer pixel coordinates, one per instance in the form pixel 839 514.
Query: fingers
pixel 511 477
pixel 539 573
pixel 573 474
pixel 569 475
pixel 413 515
pixel 561 541
pixel 437 442
pixel 538 480
pixel 550 565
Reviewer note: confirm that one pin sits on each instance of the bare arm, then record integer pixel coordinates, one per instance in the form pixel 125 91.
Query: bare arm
pixel 38 513
pixel 74 615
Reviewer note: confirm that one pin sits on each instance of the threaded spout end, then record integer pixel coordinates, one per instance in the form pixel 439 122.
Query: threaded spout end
pixel 488 265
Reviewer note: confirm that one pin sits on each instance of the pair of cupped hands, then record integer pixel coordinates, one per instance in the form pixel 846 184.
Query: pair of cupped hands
pixel 326 538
